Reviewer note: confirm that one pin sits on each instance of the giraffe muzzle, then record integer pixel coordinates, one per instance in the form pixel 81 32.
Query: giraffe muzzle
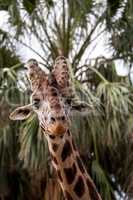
pixel 57 129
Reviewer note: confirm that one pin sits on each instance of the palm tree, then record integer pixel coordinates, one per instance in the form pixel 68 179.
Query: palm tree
pixel 106 143
pixel 12 176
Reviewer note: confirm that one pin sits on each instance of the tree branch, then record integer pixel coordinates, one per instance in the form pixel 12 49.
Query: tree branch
pixel 78 56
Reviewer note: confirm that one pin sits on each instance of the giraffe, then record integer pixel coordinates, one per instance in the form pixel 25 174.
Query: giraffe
pixel 50 100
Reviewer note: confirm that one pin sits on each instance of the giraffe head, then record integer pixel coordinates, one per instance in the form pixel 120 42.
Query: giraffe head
pixel 50 98
pixel 47 99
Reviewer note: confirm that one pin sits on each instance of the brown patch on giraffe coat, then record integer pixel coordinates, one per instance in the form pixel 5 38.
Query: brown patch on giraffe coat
pixel 92 190
pixel 64 66
pixel 67 150
pixel 68 196
pixel 59 175
pixel 53 92
pixel 79 187
pixel 80 164
pixel 63 73
pixel 70 173
pixel 54 147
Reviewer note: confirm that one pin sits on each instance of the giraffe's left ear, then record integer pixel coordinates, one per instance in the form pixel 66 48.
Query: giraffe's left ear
pixel 21 113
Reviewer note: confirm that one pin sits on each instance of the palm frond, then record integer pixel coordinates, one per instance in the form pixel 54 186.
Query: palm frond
pixel 33 150
pixel 99 175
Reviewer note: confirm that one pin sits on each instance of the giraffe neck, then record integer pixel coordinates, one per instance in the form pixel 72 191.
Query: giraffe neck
pixel 72 175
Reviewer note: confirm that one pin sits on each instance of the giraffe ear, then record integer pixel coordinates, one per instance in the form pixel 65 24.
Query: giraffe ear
pixel 21 113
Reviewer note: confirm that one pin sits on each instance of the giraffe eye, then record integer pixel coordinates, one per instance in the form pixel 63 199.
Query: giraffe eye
pixel 52 119
pixel 36 103
pixel 63 118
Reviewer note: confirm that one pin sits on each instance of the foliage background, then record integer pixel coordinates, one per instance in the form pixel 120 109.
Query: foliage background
pixel 105 139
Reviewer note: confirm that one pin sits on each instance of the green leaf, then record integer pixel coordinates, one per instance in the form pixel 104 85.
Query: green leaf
pixel 4 4
pixel 29 5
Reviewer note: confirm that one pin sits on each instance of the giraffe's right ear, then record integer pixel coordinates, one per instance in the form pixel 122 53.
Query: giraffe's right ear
pixel 21 113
